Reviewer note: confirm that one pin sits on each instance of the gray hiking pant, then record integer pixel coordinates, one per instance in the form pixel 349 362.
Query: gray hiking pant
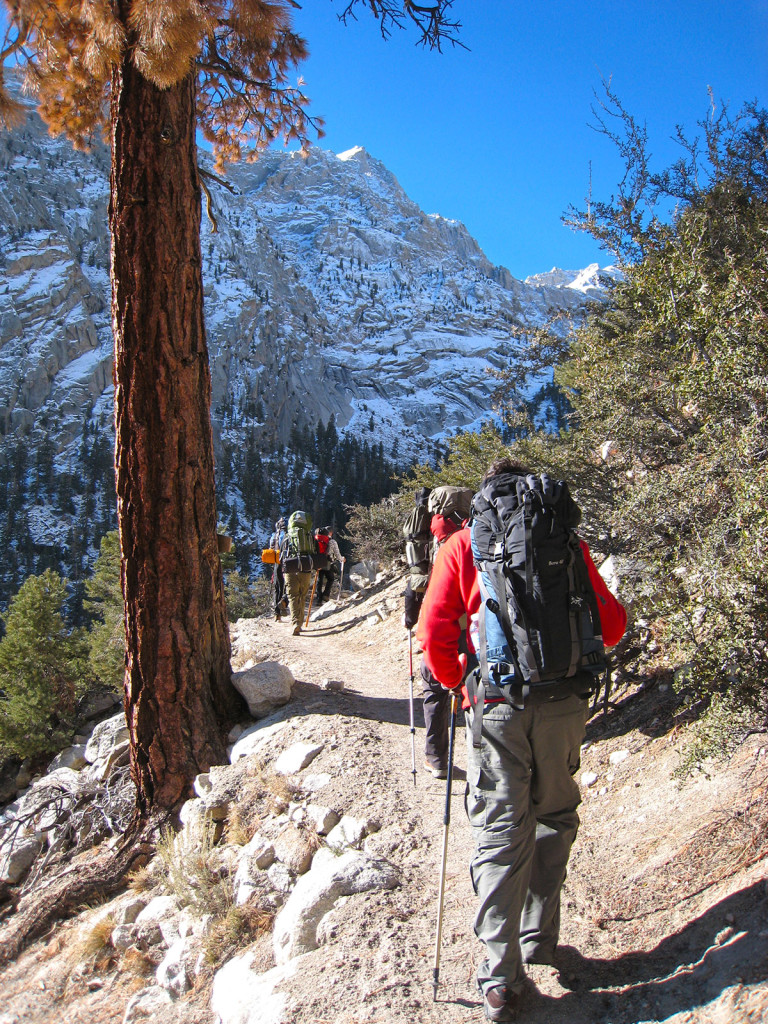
pixel 521 802
pixel 437 718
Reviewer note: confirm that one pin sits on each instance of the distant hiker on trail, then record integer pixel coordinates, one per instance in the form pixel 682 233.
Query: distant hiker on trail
pixel 442 511
pixel 299 543
pixel 278 579
pixel 538 614
pixel 327 545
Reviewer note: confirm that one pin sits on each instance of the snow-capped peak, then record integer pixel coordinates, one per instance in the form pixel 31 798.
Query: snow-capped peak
pixel 351 154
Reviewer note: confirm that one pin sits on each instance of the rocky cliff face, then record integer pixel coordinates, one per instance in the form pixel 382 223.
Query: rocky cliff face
pixel 328 292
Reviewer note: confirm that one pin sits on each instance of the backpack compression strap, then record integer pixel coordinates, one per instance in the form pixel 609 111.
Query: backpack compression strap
pixel 481 677
pixel 574 602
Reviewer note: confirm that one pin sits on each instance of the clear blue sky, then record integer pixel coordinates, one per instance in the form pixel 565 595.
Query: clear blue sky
pixel 498 136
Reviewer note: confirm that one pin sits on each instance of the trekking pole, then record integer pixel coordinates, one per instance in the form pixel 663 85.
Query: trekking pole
pixel 341 578
pixel 410 703
pixel 312 597
pixel 446 823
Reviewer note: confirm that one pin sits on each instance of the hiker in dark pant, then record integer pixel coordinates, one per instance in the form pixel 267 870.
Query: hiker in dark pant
pixel 278 579
pixel 521 796
pixel 447 509
pixel 326 577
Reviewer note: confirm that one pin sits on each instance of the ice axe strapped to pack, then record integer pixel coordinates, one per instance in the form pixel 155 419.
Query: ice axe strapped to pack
pixel 543 638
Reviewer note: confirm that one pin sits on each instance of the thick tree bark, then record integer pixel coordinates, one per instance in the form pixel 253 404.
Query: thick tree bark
pixel 178 693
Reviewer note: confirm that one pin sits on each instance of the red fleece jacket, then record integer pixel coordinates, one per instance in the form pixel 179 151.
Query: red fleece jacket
pixel 454 591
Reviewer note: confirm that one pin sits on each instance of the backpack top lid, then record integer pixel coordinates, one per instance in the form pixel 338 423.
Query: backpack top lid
pixel 299 534
pixel 452 503
pixel 548 500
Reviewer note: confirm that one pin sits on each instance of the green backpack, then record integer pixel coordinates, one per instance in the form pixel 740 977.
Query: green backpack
pixel 452 503
pixel 299 533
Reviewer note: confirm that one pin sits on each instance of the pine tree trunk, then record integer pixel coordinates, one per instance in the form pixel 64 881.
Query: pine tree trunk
pixel 178 693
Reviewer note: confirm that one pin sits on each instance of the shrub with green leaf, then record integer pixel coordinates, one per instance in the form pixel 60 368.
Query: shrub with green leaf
pixel 666 442
pixel 374 531
pixel 43 669
pixel 671 376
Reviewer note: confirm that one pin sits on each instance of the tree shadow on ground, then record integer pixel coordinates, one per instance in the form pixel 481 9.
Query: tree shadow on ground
pixel 688 969
pixel 321 628
pixel 645 707
pixel 308 698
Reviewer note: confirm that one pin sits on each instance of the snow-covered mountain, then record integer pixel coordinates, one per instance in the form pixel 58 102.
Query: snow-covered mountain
pixel 328 291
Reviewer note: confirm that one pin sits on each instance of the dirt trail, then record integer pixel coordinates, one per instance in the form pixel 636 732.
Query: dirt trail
pixel 659 924
pixel 665 915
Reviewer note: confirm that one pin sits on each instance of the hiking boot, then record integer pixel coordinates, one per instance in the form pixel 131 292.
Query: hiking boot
pixel 436 771
pixel 278 616
pixel 499 1004
pixel 296 630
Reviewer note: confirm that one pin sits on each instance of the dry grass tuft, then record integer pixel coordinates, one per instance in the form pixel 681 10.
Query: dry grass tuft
pixel 91 946
pixel 241 825
pixel 188 872
pixel 143 879
pixel 264 792
pixel 238 927
pixel 137 963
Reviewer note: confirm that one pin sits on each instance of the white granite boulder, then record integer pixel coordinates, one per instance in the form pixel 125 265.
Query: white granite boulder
pixel 172 973
pixel 363 574
pixel 105 737
pixel 241 996
pixel 17 858
pixel 348 833
pixel 296 758
pixel 265 686
pixel 146 1004
pixel 252 741
pixel 73 757
pixel 315 894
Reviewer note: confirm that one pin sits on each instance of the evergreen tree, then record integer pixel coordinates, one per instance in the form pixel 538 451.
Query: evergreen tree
pixel 241 601
pixel 104 602
pixel 42 670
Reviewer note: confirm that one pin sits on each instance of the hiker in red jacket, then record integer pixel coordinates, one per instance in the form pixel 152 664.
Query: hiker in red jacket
pixel 448 508
pixel 521 798
pixel 326 544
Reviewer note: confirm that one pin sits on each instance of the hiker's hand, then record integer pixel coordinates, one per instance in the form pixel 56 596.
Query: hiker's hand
pixel 463 663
